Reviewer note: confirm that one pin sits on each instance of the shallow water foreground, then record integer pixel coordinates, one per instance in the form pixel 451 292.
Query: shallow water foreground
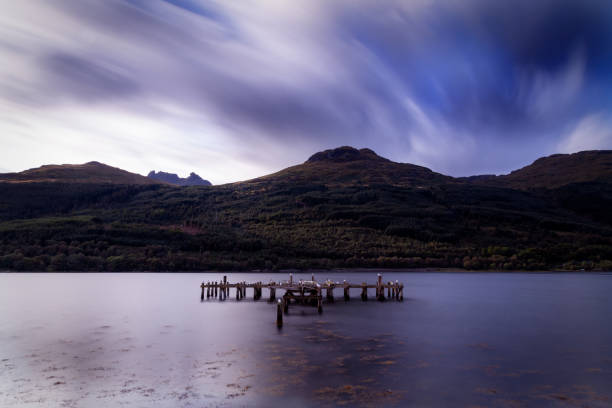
pixel 457 339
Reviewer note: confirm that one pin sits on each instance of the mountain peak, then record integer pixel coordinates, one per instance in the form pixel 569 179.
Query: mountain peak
pixel 90 172
pixel 346 165
pixel 344 154
pixel 171 178
pixel 560 169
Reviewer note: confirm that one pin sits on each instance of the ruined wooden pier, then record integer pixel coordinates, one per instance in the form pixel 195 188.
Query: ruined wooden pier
pixel 303 292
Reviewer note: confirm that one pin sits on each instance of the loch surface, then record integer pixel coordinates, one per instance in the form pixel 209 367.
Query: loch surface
pixel 457 339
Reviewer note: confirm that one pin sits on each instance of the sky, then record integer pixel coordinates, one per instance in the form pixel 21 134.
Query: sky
pixel 238 89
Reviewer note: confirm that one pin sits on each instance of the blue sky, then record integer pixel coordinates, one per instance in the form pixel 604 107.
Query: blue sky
pixel 237 89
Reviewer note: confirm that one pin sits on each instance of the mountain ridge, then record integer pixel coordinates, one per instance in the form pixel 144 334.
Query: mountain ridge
pixel 342 208
pixel 90 172
pixel 347 165
pixel 192 180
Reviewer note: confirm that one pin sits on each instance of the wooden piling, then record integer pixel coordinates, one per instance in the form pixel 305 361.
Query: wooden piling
pixel 279 314
pixel 380 289
pixel 202 295
pixel 330 294
pixel 389 290
pixel 207 290
pixel 346 291
pixel 272 294
pixel 225 288
pixel 364 291
pixel 216 289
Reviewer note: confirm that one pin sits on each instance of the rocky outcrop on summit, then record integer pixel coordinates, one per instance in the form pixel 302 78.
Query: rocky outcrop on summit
pixel 345 154
pixel 171 178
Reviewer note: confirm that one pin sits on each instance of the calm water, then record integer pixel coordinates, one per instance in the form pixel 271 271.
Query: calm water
pixel 457 339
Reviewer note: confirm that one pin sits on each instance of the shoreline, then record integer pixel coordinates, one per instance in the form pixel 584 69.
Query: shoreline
pixel 336 270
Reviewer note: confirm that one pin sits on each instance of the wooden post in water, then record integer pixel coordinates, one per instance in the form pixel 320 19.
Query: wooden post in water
pixel 216 289
pixel 279 314
pixel 319 299
pixel 330 293
pixel 389 290
pixel 286 304
pixel 401 289
pixel 346 291
pixel 207 290
pixel 364 291
pixel 225 289
pixel 291 279
pixel 202 295
pixel 272 294
pixel 380 289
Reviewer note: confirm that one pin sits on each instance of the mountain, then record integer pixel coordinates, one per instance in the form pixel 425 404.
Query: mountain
pixel 341 208
pixel 556 171
pixel 92 172
pixel 347 165
pixel 171 178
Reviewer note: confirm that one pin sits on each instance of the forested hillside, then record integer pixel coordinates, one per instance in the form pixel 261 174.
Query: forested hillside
pixel 341 208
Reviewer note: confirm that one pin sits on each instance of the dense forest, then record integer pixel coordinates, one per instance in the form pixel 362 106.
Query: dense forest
pixel 343 208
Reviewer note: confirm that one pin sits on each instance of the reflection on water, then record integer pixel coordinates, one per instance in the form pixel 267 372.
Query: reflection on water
pixel 458 339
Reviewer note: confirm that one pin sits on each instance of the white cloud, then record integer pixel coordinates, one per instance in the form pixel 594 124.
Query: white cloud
pixel 593 132
pixel 546 93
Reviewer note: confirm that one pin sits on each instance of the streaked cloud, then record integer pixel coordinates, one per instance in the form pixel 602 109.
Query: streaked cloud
pixel 237 89
pixel 593 132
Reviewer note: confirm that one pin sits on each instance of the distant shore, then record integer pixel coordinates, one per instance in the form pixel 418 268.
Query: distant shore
pixel 336 270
